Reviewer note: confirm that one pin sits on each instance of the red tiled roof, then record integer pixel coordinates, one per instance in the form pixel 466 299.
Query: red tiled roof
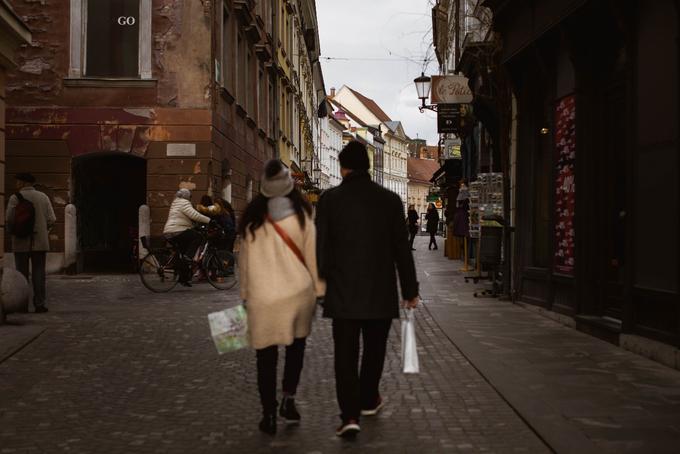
pixel 421 170
pixel 372 106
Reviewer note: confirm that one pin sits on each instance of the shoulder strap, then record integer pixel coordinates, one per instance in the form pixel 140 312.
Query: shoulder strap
pixel 19 197
pixel 286 239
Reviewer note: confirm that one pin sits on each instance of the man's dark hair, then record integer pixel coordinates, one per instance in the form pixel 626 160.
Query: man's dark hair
pixel 354 156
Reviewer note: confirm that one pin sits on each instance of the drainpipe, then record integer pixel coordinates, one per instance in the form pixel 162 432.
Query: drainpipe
pixel 276 104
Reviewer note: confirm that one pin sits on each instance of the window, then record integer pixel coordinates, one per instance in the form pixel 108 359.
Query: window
pixel 110 38
pixel 240 57
pixel 270 100
pixel 226 67
pixel 261 114
pixel 248 83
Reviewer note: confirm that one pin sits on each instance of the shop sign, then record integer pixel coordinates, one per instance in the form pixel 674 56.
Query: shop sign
pixel 451 89
pixel 448 118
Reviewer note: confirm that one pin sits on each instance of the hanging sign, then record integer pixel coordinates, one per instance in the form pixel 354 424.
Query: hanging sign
pixel 451 89
pixel 448 118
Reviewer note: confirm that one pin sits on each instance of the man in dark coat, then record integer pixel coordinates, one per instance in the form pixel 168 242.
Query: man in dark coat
pixel 362 243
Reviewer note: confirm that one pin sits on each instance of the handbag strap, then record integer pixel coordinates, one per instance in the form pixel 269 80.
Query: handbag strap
pixel 287 239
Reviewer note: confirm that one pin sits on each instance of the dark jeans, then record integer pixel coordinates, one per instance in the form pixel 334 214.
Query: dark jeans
pixel 37 260
pixel 359 390
pixel 412 235
pixel 267 359
pixel 433 241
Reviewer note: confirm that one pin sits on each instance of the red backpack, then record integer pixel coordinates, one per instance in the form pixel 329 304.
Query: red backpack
pixel 24 217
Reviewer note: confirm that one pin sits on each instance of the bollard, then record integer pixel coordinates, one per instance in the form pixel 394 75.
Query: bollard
pixel 70 238
pixel 144 229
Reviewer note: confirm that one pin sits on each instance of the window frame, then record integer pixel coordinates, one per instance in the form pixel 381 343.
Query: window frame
pixel 78 42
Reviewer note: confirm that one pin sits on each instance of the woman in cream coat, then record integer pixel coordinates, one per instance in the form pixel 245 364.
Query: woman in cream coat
pixel 279 283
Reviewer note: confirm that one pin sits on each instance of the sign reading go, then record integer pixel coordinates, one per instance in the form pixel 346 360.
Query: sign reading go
pixel 126 20
pixel 450 90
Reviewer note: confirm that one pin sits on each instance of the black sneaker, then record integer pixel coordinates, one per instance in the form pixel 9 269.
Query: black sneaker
pixel 268 423
pixel 40 310
pixel 348 429
pixel 288 411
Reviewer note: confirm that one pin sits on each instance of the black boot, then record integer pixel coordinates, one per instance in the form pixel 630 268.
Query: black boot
pixel 288 411
pixel 268 423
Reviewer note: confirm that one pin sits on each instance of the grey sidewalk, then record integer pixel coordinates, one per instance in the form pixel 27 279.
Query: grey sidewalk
pixel 579 393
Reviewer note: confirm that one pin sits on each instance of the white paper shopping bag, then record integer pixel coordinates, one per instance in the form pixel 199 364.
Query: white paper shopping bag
pixel 409 353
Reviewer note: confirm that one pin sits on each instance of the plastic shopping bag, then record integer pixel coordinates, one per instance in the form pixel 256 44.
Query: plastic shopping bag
pixel 409 354
pixel 229 329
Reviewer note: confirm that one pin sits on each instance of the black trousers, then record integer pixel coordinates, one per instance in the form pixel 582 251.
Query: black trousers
pixel 267 359
pixel 412 236
pixel 357 390
pixel 188 242
pixel 37 276
pixel 433 241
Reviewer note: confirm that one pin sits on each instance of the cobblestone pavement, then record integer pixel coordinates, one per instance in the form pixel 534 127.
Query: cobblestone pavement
pixel 581 394
pixel 121 370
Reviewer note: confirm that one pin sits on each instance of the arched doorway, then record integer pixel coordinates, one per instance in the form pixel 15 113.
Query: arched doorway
pixel 108 189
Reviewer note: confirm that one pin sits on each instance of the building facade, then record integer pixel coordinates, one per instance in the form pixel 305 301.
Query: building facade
pixel 115 108
pixel 368 113
pixel 302 93
pixel 579 103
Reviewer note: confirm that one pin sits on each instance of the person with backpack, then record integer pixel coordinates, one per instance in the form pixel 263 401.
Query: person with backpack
pixel 29 218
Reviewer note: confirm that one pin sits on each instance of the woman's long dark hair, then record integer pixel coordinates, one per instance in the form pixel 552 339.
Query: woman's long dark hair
pixel 256 212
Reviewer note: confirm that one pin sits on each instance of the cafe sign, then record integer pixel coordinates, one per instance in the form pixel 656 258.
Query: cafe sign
pixel 451 89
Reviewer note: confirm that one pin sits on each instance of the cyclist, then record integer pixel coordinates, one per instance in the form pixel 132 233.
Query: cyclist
pixel 179 231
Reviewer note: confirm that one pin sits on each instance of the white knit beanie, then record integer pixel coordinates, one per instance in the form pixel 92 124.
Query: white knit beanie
pixel 279 185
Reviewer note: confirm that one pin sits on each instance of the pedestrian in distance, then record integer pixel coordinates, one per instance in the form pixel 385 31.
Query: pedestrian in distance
pixel 362 243
pixel 412 218
pixel 432 218
pixel 179 230
pixel 279 285
pixel 222 213
pixel 29 218
pixel 228 221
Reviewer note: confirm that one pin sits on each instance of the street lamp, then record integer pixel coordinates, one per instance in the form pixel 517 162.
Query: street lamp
pixel 423 85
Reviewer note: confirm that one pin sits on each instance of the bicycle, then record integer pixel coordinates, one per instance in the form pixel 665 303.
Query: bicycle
pixel 161 268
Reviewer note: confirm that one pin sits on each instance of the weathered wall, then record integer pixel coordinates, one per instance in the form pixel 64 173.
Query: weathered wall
pixel 181 44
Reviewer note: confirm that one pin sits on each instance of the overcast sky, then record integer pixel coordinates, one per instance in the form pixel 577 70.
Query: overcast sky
pixel 379 37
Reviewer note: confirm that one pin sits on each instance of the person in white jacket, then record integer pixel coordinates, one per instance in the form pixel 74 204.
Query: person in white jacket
pixel 179 229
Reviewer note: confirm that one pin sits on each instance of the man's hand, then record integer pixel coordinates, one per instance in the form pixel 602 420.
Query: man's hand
pixel 411 304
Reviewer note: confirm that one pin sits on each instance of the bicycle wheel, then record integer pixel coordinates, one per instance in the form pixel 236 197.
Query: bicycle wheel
pixel 157 271
pixel 220 268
